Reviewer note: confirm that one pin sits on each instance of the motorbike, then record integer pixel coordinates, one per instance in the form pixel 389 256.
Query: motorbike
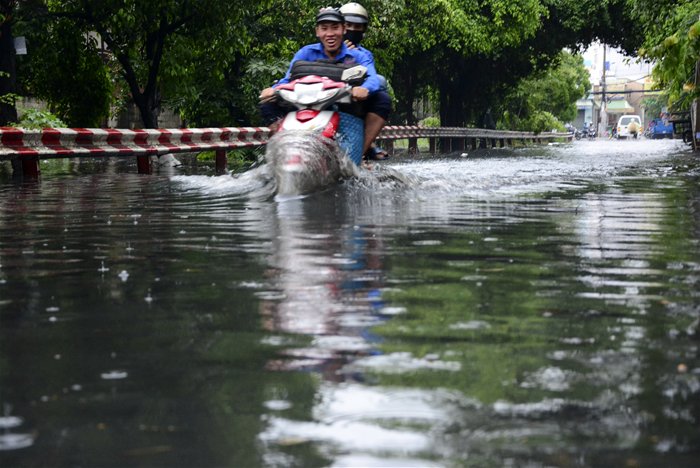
pixel 587 132
pixel 573 130
pixel 317 143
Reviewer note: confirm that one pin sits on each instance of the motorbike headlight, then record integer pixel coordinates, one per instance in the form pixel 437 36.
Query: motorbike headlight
pixel 287 95
pixel 327 94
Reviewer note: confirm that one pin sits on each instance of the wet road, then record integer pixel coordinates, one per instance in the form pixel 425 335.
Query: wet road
pixel 531 307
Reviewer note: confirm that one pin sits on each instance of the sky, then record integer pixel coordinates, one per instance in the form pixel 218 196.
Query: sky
pixel 620 65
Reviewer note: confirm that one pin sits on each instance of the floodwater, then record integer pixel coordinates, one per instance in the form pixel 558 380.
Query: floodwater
pixel 529 307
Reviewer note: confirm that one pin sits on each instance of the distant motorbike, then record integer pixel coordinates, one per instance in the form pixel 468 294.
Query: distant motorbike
pixel 316 144
pixel 573 130
pixel 588 132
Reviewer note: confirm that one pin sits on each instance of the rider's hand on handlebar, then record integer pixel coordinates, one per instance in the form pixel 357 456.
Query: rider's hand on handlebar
pixel 359 93
pixel 266 94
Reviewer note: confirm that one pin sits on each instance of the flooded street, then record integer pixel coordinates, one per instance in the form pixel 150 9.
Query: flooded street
pixel 527 307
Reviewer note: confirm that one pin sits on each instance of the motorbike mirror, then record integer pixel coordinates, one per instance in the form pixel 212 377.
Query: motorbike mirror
pixel 354 73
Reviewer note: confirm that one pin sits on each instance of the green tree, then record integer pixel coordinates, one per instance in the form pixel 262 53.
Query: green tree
pixel 142 34
pixel 654 105
pixel 473 53
pixel 8 76
pixel 79 94
pixel 217 81
pixel 546 99
pixel 672 40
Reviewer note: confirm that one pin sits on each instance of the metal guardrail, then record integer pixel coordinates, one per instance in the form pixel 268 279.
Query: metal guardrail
pixel 29 146
pixel 400 132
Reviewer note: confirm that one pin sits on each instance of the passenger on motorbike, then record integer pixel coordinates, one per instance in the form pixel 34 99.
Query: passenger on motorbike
pixel 379 103
pixel 330 29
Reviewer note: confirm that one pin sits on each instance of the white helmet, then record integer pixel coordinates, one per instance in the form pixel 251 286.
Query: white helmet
pixel 354 13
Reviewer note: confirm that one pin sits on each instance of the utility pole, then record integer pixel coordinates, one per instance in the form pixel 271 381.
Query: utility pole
pixel 695 112
pixel 603 125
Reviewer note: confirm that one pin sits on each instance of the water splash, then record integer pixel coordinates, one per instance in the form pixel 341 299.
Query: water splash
pixel 304 162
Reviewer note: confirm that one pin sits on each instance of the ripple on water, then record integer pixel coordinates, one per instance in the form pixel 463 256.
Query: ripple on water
pixel 12 441
pixel 362 421
pixel 401 362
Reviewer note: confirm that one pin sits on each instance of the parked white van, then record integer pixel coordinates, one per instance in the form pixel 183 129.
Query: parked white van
pixel 629 126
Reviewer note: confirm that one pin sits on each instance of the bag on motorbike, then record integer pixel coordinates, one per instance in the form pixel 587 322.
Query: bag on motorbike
pixel 329 69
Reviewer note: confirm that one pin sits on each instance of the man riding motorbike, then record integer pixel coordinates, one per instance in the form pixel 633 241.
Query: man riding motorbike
pixel 379 103
pixel 330 30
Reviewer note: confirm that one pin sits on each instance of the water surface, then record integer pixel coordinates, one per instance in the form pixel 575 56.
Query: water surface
pixel 529 307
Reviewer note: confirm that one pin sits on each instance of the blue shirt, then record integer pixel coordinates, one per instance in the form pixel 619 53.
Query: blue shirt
pixel 314 52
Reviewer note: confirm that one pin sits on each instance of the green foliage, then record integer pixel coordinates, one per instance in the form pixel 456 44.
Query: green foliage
pixel 430 122
pixel 75 83
pixel 542 102
pixel 9 98
pixel 653 105
pixel 238 159
pixel 38 119
pixel 673 42
pixel 210 58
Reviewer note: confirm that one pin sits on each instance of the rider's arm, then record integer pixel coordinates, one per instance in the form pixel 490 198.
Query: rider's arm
pixel 372 82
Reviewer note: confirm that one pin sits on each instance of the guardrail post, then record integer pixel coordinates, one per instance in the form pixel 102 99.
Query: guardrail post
pixel 412 145
pixel 502 142
pixel 445 145
pixel 695 122
pixel 221 161
pixel 431 145
pixel 458 144
pixel 143 163
pixel 30 167
pixel 473 143
pixel 493 142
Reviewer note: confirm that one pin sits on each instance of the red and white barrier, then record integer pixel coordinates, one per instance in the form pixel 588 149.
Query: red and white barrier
pixel 29 146
pixel 67 142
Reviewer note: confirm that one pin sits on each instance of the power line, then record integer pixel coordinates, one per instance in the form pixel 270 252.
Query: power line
pixel 627 92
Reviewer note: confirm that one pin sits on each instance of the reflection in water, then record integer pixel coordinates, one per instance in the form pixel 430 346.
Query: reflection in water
pixel 579 390
pixel 326 287
pixel 9 439
pixel 532 307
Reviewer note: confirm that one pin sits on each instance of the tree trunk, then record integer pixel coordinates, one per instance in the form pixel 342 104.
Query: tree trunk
pixel 148 109
pixel 8 75
pixel 452 108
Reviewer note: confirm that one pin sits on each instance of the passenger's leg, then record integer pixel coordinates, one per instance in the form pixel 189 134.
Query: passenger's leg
pixel 378 109
pixel 373 126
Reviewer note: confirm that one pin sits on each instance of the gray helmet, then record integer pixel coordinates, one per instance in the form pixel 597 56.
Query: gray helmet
pixel 329 15
pixel 354 13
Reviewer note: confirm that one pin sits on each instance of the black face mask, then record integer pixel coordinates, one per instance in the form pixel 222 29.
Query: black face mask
pixel 354 36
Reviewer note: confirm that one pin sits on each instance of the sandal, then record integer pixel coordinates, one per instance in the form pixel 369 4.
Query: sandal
pixel 377 154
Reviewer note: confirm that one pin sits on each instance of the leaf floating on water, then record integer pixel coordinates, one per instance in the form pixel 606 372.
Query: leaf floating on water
pixel 289 441
pixel 114 375
pixel 278 405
